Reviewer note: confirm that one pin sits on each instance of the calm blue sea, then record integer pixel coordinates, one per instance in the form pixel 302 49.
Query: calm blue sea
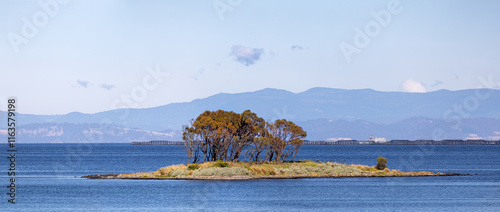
pixel 48 179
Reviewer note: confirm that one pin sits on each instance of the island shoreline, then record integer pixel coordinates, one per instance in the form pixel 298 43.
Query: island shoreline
pixel 215 171
pixel 237 178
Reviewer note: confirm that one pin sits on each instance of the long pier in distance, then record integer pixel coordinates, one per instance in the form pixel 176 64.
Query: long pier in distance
pixel 355 142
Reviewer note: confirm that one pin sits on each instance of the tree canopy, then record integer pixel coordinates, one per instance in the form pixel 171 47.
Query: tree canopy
pixel 226 135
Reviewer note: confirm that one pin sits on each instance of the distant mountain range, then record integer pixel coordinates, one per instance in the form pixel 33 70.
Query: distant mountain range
pixel 85 133
pixel 325 113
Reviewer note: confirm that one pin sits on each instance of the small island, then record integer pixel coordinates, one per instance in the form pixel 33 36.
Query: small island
pixel 224 145
pixel 220 170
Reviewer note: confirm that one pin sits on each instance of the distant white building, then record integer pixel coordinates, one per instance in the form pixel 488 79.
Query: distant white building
pixel 378 140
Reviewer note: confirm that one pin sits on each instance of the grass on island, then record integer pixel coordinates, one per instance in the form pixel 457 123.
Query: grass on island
pixel 249 170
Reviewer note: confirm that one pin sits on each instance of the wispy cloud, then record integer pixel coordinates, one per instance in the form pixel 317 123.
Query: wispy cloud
pixel 296 47
pixel 82 83
pixel 246 55
pixel 413 86
pixel 197 74
pixel 107 86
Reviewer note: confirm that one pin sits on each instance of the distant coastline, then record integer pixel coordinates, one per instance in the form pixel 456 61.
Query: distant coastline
pixel 355 142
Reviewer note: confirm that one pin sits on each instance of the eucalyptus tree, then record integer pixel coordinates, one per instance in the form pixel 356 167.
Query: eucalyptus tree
pixel 225 135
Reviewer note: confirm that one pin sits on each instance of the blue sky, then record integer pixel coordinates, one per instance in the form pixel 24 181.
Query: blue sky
pixel 90 56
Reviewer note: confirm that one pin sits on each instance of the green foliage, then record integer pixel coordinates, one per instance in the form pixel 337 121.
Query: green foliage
pixel 218 131
pixel 309 163
pixel 168 169
pixel 179 172
pixel 226 135
pixel 193 166
pixel 381 161
pixel 218 171
pixel 220 163
pixel 292 170
pixel 282 134
pixel 323 168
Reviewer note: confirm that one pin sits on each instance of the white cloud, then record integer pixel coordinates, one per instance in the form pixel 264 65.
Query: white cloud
pixel 246 55
pixel 83 83
pixel 413 86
